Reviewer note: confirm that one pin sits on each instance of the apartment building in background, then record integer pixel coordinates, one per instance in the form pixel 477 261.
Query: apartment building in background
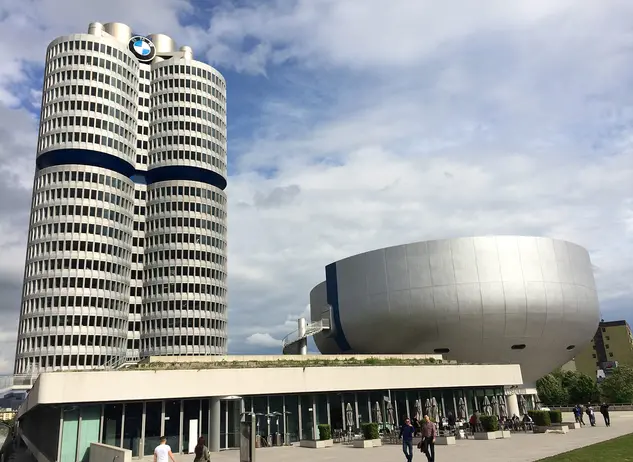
pixel 612 345
pixel 126 252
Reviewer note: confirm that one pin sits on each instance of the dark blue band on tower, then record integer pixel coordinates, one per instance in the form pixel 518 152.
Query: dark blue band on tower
pixel 118 165
pixel 85 157
pixel 182 172
pixel 331 287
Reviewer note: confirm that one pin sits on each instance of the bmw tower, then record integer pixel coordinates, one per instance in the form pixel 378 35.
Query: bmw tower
pixel 126 253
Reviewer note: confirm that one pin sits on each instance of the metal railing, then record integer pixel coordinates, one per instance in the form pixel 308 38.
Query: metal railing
pixel 17 381
pixel 612 407
pixel 311 329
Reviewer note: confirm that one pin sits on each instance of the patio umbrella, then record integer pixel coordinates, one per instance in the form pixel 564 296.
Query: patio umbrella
pixel 349 416
pixel 461 409
pixel 495 406
pixel 418 410
pixel 427 407
pixel 391 418
pixel 434 410
pixel 377 413
pixel 522 405
pixel 503 410
pixel 487 407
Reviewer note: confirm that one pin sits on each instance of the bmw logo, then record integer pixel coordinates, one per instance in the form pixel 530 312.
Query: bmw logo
pixel 143 48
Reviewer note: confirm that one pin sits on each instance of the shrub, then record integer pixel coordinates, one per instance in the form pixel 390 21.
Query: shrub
pixel 541 418
pixel 489 422
pixel 370 431
pixel 325 432
pixel 556 417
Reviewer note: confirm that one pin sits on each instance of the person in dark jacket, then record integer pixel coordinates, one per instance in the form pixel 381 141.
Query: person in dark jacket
pixel 406 435
pixel 604 410
pixel 452 422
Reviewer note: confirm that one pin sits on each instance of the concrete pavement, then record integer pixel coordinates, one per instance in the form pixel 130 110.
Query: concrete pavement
pixel 521 447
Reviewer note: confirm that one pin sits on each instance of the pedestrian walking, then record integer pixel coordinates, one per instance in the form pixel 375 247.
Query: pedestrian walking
pixel 406 435
pixel 604 410
pixel 202 451
pixel 163 453
pixel 429 433
pixel 581 414
pixel 592 415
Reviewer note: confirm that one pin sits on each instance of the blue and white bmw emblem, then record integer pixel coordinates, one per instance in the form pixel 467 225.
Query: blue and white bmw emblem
pixel 143 48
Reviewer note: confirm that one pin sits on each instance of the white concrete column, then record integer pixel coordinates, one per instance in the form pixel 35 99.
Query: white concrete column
pixel 513 405
pixel 214 425
pixel 303 342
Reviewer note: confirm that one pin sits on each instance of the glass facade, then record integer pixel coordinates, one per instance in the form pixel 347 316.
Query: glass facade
pixel 138 426
pixel 132 427
pixel 153 426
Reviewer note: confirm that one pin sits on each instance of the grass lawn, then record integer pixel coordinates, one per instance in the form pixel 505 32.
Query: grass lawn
pixel 618 449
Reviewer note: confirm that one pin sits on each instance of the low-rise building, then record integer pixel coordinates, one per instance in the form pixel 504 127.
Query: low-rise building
pixel 6 414
pixel 611 345
pixel 185 397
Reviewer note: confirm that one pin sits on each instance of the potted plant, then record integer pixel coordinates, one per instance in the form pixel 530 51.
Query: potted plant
pixel 325 438
pixel 370 434
pixel 490 424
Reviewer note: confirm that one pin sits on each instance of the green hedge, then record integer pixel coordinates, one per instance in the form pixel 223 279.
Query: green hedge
pixel 556 417
pixel 541 418
pixel 370 431
pixel 325 432
pixel 489 422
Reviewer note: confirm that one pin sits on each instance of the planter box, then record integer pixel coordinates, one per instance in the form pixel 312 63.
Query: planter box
pixel 376 443
pixel 503 434
pixel 445 440
pixel 363 444
pixel 318 444
pixel 551 429
pixel 486 435
pixel 573 425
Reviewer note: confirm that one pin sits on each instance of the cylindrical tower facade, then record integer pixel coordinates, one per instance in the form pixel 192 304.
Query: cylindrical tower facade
pixel 126 253
pixel 185 254
pixel 76 287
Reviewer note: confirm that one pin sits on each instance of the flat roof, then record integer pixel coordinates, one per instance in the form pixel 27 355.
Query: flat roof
pixel 158 384
pixel 613 323
pixel 266 361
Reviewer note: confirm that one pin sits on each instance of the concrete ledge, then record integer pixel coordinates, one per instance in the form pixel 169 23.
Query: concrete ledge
pixel 551 429
pixel 376 443
pixel 573 425
pixel 363 444
pixel 445 440
pixel 316 444
pixel 503 434
pixel 486 435
pixel 105 453
pixel 37 455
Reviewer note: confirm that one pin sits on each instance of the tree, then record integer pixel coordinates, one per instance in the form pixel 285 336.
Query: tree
pixel 580 387
pixel 551 391
pixel 617 387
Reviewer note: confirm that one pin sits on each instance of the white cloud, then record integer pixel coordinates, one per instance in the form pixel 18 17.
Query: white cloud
pixel 376 126
pixel 263 340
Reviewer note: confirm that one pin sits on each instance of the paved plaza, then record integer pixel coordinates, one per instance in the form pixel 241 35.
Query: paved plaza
pixel 522 447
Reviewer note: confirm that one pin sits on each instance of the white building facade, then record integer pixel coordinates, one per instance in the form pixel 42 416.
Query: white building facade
pixel 126 253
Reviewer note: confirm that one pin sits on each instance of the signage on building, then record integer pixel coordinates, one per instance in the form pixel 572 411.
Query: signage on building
pixel 143 48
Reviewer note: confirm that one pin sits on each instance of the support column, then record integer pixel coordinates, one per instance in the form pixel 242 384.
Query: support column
pixel 513 405
pixel 303 342
pixel 214 425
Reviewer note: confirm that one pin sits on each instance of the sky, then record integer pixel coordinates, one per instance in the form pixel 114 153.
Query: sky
pixel 355 125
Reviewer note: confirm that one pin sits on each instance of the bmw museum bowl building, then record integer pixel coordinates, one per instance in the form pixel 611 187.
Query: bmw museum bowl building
pixel 497 299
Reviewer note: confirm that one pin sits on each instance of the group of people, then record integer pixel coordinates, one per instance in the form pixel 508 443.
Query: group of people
pixel 428 434
pixel 163 453
pixel 580 411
